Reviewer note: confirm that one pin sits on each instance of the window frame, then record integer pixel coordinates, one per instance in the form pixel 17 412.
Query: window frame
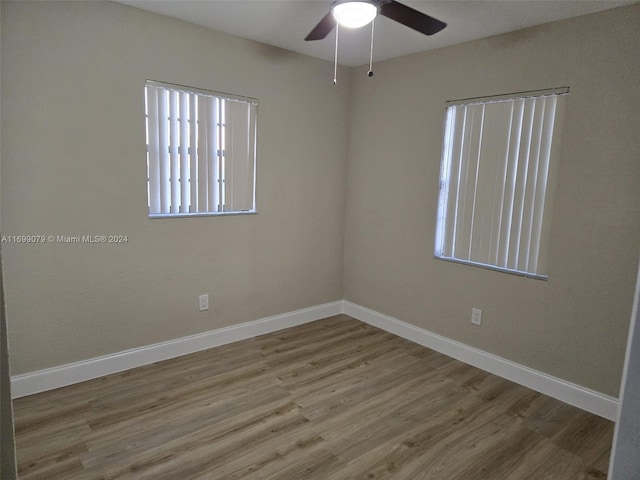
pixel 221 150
pixel 445 180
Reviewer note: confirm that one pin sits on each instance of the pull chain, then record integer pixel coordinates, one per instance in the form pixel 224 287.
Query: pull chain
pixel 335 62
pixel 370 72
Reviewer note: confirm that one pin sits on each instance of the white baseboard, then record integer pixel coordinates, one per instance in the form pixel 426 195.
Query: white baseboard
pixel 50 378
pixel 581 397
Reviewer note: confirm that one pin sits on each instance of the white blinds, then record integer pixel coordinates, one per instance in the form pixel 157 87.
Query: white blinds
pixel 201 151
pixel 241 123
pixel 497 159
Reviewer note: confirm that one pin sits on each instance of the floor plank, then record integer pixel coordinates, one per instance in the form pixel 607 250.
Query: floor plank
pixel 334 399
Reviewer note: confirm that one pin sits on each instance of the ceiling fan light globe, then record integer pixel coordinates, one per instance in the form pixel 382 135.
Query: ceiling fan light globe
pixel 354 14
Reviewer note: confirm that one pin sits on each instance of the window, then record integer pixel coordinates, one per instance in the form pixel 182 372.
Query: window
pixel 201 151
pixel 498 163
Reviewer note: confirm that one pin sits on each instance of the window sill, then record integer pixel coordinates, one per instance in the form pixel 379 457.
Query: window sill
pixel 518 273
pixel 203 214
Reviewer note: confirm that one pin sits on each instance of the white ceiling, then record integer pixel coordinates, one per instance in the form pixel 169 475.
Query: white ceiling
pixel 285 23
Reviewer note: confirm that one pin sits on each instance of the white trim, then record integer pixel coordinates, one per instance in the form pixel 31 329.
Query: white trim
pixel 576 395
pixel 50 378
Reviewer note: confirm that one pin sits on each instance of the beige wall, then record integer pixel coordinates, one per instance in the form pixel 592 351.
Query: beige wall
pixel 573 326
pixel 73 156
pixel 7 445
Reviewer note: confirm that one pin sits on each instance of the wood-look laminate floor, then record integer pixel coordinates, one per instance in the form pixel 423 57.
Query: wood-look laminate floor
pixel 333 399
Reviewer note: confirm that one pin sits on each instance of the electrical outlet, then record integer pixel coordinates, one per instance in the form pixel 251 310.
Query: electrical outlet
pixel 476 316
pixel 203 302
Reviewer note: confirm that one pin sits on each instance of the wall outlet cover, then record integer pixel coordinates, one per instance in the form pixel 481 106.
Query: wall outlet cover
pixel 476 316
pixel 203 302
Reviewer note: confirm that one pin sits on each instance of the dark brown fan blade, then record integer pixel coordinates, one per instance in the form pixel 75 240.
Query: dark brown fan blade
pixel 323 28
pixel 411 18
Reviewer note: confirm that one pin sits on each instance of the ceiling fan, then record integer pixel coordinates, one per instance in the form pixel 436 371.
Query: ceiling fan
pixel 356 14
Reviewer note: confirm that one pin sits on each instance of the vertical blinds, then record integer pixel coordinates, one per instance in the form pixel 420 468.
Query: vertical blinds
pixel 496 165
pixel 201 151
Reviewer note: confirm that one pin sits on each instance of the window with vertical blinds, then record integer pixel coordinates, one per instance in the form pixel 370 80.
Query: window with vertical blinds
pixel 498 162
pixel 201 151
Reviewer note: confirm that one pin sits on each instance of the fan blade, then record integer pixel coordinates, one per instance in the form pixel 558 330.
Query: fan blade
pixel 323 28
pixel 411 18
